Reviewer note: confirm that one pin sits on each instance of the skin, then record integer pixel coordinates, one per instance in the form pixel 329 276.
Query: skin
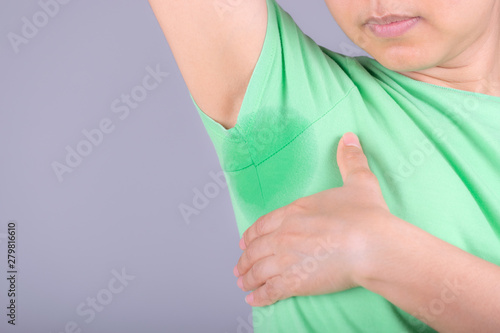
pixel 351 239
pixel 455 44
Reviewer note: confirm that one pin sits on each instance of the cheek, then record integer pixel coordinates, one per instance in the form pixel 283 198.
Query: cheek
pixel 455 18
pixel 347 13
pixel 350 26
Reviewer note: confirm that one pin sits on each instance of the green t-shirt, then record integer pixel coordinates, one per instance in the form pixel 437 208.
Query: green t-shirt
pixel 434 150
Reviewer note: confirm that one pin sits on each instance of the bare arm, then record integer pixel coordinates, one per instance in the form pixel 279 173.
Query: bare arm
pixel 216 44
pixel 352 239
pixel 445 287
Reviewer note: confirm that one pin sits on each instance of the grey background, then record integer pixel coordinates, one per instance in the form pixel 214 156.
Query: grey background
pixel 119 208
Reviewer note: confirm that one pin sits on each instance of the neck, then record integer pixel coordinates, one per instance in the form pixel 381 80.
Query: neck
pixel 476 69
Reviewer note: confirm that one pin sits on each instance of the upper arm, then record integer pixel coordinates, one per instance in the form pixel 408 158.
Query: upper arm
pixel 216 44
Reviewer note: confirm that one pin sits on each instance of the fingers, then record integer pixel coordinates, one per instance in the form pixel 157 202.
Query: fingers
pixel 260 272
pixel 260 248
pixel 272 291
pixel 263 226
pixel 353 164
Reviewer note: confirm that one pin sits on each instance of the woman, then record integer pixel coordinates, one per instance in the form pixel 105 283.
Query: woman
pixel 403 239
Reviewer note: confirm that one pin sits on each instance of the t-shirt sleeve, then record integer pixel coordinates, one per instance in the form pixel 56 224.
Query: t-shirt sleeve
pixel 294 83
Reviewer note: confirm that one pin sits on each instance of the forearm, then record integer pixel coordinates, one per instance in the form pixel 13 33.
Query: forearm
pixel 436 282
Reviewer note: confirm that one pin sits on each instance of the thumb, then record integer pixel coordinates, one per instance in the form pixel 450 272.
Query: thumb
pixel 351 158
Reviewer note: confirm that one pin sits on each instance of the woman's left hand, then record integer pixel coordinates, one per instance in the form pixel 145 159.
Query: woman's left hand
pixel 317 244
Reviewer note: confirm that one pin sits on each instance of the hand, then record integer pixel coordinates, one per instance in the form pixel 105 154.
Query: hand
pixel 315 245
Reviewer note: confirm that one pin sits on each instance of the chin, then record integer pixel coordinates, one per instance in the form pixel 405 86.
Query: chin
pixel 402 59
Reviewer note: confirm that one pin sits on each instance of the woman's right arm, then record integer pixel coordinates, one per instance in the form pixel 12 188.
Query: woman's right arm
pixel 216 44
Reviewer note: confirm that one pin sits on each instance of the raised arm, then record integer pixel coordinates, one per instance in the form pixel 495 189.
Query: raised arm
pixel 216 44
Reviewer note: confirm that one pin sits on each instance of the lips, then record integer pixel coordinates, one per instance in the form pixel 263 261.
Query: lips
pixel 388 19
pixel 391 26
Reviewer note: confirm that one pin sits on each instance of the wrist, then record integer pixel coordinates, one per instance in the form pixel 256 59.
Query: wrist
pixel 386 247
